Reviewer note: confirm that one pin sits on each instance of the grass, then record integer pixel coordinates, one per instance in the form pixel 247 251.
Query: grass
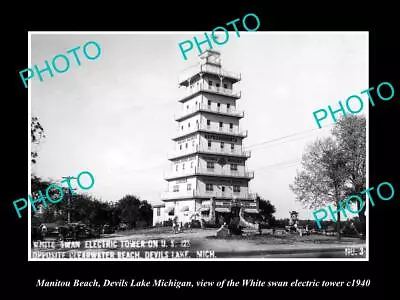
pixel 290 239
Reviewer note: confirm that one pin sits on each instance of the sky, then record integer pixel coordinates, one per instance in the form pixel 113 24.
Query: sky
pixel 114 116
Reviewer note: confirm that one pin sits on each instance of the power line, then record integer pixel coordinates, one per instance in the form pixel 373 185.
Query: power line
pixel 279 168
pixel 286 136
pixel 283 142
pixel 282 164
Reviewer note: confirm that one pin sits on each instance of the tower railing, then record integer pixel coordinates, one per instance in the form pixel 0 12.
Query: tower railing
pixel 208 194
pixel 202 148
pixel 220 71
pixel 231 111
pixel 207 68
pixel 223 172
pixel 240 173
pixel 188 92
pixel 214 128
pixel 226 150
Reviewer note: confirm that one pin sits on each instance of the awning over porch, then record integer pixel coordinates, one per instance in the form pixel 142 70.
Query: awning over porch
pixel 204 209
pixel 169 210
pixel 223 209
pixel 185 208
pixel 251 210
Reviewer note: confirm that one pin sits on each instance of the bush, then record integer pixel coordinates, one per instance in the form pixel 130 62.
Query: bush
pixel 265 225
pixel 236 230
pixel 167 223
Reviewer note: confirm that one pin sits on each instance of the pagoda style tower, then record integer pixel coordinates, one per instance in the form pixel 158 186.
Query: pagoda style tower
pixel 208 179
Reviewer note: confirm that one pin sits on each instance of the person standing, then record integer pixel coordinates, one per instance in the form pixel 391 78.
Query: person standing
pixel 180 227
pixel 174 224
pixel 43 231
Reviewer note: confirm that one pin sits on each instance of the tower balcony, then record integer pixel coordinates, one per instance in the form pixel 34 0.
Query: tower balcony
pixel 204 149
pixel 188 93
pixel 212 129
pixel 218 194
pixel 203 171
pixel 233 112
pixel 195 71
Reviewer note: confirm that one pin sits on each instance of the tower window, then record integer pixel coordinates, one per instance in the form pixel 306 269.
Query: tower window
pixel 209 144
pixel 209 187
pixel 186 145
pixel 217 85
pixel 210 83
pixel 220 124
pixel 176 167
pixel 189 186
pixel 228 106
pixel 223 188
pixel 180 147
pixel 188 125
pixel 234 167
pixel 210 165
pixel 232 146
pixel 225 86
pixel 230 125
pixel 183 166
pixel 182 127
pixel 208 122
pixel 187 106
pixel 222 145
pixel 236 189
pixel 209 102
pixel 176 188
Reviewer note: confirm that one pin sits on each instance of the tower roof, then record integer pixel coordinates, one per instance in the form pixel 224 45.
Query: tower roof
pixel 209 52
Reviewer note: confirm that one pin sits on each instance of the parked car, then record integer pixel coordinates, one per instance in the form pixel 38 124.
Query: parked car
pixel 195 223
pixel 107 229
pixel 49 230
pixel 77 231
pixel 122 226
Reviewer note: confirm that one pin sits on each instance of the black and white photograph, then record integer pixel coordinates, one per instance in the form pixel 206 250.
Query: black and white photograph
pixel 174 146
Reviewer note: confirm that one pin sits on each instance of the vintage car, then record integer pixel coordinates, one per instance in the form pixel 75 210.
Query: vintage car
pixel 77 231
pixel 46 230
pixel 107 229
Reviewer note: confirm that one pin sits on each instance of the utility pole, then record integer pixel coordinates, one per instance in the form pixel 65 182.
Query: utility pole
pixel 69 201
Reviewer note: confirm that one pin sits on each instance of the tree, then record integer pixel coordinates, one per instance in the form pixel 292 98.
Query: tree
pixel 37 134
pixel 146 212
pixel 279 223
pixel 322 179
pixel 266 209
pixel 350 133
pixel 83 208
pixel 133 211
pixel 49 210
pixel 129 210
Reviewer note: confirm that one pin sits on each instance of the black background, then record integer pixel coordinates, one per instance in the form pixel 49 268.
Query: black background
pixel 379 19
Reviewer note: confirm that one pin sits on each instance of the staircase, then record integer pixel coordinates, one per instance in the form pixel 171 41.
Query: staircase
pixel 249 228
